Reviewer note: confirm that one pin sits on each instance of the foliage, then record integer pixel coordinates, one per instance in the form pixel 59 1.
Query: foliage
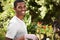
pixel 45 11
pixel 6 14
pixel 44 30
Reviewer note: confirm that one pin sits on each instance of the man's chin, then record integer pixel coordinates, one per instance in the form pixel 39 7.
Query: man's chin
pixel 23 14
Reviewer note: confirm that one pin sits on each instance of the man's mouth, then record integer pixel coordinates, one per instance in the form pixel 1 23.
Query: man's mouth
pixel 23 11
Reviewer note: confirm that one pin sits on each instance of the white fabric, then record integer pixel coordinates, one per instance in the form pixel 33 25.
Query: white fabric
pixel 31 36
pixel 16 28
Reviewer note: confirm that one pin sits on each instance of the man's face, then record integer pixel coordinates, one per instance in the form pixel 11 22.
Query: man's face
pixel 20 8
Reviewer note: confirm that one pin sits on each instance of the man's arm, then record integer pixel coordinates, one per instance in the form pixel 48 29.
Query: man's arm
pixel 8 38
pixel 21 38
pixel 11 31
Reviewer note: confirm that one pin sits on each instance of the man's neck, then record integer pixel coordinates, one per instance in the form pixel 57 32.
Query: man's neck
pixel 20 17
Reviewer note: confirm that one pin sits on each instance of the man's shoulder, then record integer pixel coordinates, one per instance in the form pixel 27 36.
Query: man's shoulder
pixel 12 24
pixel 13 20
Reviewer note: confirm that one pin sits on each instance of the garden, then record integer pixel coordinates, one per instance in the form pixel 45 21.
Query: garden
pixel 40 18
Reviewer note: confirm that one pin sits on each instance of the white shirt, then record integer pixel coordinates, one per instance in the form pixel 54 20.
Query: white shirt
pixel 16 28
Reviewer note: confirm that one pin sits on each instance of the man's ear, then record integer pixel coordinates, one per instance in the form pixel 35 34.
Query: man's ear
pixel 14 8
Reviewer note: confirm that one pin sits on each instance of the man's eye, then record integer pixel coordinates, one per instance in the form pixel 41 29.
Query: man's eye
pixel 24 6
pixel 19 7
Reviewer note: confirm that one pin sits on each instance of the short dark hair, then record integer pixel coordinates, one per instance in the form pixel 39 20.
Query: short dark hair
pixel 17 1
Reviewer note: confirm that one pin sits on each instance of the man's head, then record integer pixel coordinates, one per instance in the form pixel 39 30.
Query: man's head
pixel 17 1
pixel 20 7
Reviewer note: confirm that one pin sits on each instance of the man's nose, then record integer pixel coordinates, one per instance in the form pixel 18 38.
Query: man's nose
pixel 23 8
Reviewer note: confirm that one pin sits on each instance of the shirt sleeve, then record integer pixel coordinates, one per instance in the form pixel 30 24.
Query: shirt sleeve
pixel 12 30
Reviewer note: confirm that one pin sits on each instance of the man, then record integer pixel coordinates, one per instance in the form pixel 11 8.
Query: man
pixel 17 27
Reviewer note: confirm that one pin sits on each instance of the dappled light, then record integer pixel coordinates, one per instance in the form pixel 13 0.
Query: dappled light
pixel 40 17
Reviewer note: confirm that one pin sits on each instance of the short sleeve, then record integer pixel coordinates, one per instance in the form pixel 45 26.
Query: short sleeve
pixel 11 30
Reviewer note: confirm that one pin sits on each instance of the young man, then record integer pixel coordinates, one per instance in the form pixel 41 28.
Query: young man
pixel 17 28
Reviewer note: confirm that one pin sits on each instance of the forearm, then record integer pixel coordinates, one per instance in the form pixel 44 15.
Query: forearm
pixel 19 38
pixel 8 38
pixel 22 38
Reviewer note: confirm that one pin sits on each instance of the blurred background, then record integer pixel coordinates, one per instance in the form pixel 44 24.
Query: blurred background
pixel 42 18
